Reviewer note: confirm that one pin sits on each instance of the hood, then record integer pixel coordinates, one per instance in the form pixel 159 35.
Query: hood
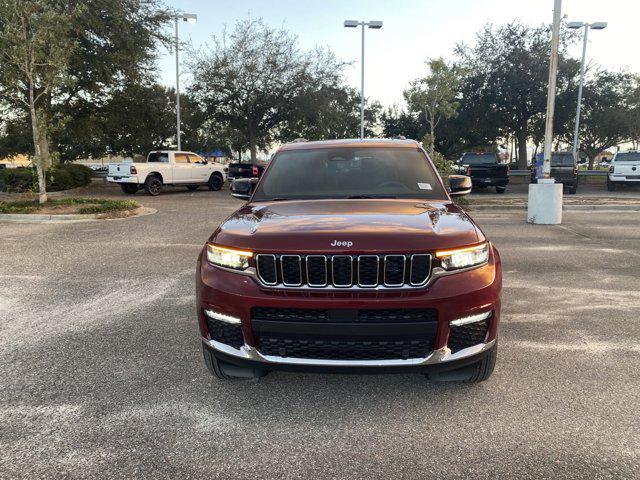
pixel 347 226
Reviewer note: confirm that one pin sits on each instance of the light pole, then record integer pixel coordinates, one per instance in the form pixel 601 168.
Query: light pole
pixel 586 26
pixel 544 205
pixel 191 18
pixel 376 25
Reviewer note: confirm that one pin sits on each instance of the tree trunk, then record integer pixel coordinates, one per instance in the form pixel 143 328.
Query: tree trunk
pixel 521 136
pixel 592 159
pixel 253 147
pixel 39 159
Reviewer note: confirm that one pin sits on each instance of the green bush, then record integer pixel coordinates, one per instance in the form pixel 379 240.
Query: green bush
pixel 444 166
pixel 81 174
pixel 60 177
pixel 16 179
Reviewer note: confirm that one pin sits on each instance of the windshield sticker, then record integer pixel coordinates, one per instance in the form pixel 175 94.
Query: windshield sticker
pixel 424 186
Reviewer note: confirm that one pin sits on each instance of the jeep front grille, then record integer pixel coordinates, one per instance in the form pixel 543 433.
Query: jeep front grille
pixel 343 271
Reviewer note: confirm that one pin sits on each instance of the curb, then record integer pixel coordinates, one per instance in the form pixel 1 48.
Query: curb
pixel 610 208
pixel 35 218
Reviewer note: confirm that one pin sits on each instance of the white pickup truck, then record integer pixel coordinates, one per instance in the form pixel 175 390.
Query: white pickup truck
pixel 166 167
pixel 624 169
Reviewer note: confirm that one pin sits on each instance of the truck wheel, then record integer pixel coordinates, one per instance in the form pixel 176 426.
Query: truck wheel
pixel 573 189
pixel 610 185
pixel 474 373
pixel 129 188
pixel 229 372
pixel 500 189
pixel 215 182
pixel 153 186
pixel 193 188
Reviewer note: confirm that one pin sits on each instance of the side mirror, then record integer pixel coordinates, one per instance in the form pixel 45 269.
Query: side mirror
pixel 459 185
pixel 242 188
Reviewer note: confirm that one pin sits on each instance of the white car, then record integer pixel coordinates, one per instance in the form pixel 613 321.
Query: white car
pixel 166 167
pixel 624 169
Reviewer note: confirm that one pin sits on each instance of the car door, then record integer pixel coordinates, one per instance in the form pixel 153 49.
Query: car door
pixel 182 168
pixel 200 168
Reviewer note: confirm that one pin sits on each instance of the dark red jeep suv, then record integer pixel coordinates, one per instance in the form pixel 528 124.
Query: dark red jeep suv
pixel 349 256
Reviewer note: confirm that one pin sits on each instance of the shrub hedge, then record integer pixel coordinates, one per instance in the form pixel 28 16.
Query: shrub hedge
pixel 60 177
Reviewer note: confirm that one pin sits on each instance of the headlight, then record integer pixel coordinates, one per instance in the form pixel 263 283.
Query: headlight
pixel 463 257
pixel 228 257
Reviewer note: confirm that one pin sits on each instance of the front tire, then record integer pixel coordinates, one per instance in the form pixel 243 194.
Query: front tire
pixel 217 368
pixel 129 188
pixel 215 182
pixel 500 189
pixel 153 186
pixel 474 373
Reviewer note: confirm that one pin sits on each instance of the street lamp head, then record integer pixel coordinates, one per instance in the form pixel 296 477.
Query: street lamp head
pixel 350 23
pixel 575 24
pixel 598 25
pixel 190 17
pixel 375 24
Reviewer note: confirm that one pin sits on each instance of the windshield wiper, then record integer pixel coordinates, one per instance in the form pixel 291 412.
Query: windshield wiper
pixel 382 195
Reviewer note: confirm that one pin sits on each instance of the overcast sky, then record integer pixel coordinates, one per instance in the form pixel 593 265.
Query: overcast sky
pixel 413 31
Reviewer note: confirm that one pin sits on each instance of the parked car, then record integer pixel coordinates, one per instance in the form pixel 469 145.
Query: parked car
pixel 245 170
pixel 350 256
pixel 166 167
pixel 563 169
pixel 485 170
pixel 624 169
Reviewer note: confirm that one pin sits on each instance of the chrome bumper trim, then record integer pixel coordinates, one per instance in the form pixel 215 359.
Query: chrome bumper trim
pixel 439 356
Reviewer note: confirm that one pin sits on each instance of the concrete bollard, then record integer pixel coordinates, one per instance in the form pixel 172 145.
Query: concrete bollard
pixel 545 202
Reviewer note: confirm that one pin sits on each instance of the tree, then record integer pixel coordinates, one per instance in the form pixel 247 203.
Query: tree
pixel 59 58
pixel 512 66
pixel 605 113
pixel 396 121
pixel 329 112
pixel 435 96
pixel 633 120
pixel 35 48
pixel 253 78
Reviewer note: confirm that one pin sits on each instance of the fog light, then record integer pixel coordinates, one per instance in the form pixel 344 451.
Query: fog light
pixel 470 319
pixel 222 317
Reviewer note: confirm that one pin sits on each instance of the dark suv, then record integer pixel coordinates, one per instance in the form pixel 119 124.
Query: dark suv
pixel 564 169
pixel 349 256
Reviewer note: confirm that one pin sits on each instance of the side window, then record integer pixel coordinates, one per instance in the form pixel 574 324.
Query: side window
pixel 181 158
pixel 196 159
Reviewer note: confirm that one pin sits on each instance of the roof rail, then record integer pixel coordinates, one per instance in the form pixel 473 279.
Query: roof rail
pixel 299 140
pixel 398 137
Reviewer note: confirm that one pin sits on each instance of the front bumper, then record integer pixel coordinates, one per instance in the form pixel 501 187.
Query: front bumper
pixel 453 296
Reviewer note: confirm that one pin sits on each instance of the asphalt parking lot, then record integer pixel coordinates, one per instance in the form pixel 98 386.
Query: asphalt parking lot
pixel 102 375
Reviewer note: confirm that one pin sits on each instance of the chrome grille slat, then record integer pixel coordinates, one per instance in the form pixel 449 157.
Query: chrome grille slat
pixel 361 267
pixel 347 260
pixel 290 262
pixel 367 271
pixel 389 270
pixel 265 276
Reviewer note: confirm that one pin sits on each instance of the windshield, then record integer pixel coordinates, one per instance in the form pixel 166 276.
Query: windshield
pixel 349 173
pixel 479 158
pixel 628 157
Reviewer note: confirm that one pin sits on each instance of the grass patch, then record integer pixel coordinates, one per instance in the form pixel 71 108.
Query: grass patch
pixel 69 205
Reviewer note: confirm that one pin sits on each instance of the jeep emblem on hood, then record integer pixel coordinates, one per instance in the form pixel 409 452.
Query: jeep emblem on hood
pixel 337 243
